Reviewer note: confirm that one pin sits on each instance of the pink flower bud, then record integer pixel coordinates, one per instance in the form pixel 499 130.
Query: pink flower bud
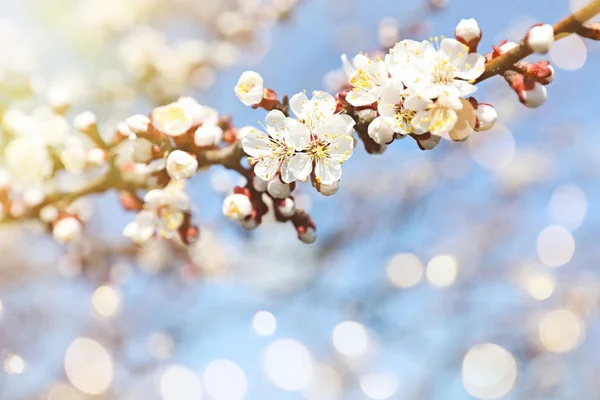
pixel 486 117
pixel 540 38
pixel 468 33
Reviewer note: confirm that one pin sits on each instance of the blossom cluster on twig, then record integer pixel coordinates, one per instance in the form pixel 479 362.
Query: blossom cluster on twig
pixel 419 90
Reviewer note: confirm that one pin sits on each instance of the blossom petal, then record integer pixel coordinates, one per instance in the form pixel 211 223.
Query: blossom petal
pixel 324 104
pixel 421 122
pixel 442 122
pixel 360 98
pixel 276 128
pixel 470 67
pixel 300 105
pixel 256 143
pixel 452 49
pixel 298 168
pixel 328 171
pixel 347 67
pixel 267 168
pixel 299 136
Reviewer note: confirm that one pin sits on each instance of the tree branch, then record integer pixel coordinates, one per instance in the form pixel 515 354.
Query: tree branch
pixel 562 29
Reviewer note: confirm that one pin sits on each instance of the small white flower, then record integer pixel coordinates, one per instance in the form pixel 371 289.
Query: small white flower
pixel 237 207
pixel 278 189
pixel 275 151
pixel 140 150
pixel 172 119
pixel 366 77
pixel 380 131
pixel 181 165
pixel 331 142
pixel 164 213
pixel 437 72
pixel 67 230
pixel 486 117
pixel 249 88
pixel 138 123
pixel 85 121
pixel 208 135
pixel 439 117
pixel 534 97
pixel 467 31
pixel 397 108
pixel 540 38
pixel 243 131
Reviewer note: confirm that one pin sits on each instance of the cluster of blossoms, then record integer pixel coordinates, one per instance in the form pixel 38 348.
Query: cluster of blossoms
pixel 423 90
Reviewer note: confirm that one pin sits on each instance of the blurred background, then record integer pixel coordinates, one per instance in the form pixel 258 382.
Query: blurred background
pixel 470 271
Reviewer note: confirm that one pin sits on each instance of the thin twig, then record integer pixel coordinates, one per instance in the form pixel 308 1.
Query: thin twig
pixel 562 29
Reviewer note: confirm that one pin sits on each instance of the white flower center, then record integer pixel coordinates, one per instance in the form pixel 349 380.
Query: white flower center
pixel 443 71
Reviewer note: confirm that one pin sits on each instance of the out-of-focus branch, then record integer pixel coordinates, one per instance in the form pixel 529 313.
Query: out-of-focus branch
pixel 571 24
pixel 590 30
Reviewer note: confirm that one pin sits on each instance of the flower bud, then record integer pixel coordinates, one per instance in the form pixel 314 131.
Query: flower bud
pixel 237 207
pixel 548 79
pixel 278 189
pixel 540 38
pixel 380 131
pixel 208 135
pixel 49 214
pixel 507 46
pixel 259 184
pixel 181 165
pixel 85 121
pixel 250 88
pixel 535 96
pixel 67 230
pixel 249 224
pixel 286 207
pixel 96 157
pixel 429 143
pixel 141 150
pixel 486 117
pixel 468 33
pixel 138 123
pixel 329 190
pixel 307 235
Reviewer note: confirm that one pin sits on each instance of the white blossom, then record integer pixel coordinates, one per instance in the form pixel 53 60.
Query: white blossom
pixel 439 117
pixel 330 140
pixel 540 38
pixel 276 151
pixel 435 72
pixel 249 88
pixel 181 165
pixel 397 108
pixel 163 214
pixel 96 157
pixel 237 207
pixel 367 77
pixel 172 119
pixel 329 190
pixel 308 236
pixel 67 230
pixel 49 214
